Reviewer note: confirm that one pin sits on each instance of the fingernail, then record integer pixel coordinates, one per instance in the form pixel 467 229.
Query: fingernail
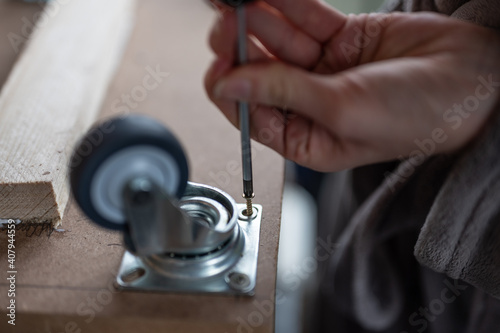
pixel 237 89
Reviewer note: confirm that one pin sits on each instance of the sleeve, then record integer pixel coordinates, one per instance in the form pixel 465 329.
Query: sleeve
pixel 461 234
pixel 481 12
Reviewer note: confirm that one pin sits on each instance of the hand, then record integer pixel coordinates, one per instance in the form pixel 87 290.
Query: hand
pixel 359 89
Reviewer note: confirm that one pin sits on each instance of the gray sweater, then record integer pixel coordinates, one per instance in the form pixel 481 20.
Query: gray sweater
pixel 417 246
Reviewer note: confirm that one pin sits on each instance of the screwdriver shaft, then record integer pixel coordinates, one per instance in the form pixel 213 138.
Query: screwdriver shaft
pixel 243 107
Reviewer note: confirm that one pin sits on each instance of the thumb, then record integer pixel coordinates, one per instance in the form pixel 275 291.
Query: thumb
pixel 277 85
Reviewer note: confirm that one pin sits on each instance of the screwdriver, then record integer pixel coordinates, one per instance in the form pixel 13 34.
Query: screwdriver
pixel 243 107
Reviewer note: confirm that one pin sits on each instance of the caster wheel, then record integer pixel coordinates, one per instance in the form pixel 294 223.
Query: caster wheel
pixel 115 152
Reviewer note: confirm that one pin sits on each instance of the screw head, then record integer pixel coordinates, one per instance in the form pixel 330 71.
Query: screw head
pixel 238 281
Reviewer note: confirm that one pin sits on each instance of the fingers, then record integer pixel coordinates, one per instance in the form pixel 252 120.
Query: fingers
pixel 301 133
pixel 281 37
pixel 316 18
pixel 273 30
pixel 220 67
pixel 223 39
pixel 223 42
pixel 297 138
pixel 276 84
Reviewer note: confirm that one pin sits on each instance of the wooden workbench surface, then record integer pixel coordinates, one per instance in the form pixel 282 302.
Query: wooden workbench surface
pixel 65 281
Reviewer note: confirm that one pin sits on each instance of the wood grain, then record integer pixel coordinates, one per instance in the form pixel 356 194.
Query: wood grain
pixel 52 95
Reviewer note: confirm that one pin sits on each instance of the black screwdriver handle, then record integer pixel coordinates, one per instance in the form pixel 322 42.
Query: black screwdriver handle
pixel 235 3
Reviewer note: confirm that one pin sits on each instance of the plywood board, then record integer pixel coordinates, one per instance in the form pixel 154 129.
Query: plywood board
pixel 65 281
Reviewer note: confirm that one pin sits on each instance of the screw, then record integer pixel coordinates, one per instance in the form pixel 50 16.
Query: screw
pixel 249 210
pixel 238 281
pixel 133 275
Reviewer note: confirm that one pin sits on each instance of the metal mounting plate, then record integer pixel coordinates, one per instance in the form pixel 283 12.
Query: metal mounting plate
pixel 231 270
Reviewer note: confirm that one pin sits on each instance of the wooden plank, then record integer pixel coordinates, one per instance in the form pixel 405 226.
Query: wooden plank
pixel 51 97
pixel 16 18
pixel 60 277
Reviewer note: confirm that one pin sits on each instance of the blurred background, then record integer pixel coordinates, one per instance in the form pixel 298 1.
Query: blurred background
pixel 296 279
